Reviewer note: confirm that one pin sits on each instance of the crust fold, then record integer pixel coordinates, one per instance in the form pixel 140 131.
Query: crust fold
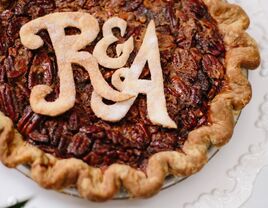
pixel 93 184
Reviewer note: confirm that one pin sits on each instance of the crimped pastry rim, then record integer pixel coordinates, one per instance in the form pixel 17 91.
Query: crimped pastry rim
pixel 93 184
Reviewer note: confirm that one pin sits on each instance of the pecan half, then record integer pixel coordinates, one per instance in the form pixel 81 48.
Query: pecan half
pixel 29 121
pixel 79 145
pixel 210 44
pixel 38 137
pixel 55 130
pixel 73 121
pixel 171 14
pixel 213 67
pixel 2 74
pixel 179 88
pixel 8 102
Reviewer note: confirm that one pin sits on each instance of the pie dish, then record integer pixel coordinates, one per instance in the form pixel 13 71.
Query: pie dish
pixel 202 48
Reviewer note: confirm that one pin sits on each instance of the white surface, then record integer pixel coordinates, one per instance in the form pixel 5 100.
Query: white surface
pixel 231 172
pixel 259 197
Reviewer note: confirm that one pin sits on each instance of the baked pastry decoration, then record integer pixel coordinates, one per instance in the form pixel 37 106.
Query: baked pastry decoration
pixel 104 94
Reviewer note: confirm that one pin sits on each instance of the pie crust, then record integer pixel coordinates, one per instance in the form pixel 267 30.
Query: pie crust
pixel 98 185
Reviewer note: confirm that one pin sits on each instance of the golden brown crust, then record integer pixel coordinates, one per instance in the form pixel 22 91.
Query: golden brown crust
pixel 96 185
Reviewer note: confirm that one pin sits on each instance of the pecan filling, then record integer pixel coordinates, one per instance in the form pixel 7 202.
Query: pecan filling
pixel 192 59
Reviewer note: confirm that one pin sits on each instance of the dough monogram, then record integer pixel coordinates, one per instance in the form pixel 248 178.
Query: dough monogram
pixel 67 53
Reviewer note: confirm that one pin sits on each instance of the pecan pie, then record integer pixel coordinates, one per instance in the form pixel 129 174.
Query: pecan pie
pixel 104 94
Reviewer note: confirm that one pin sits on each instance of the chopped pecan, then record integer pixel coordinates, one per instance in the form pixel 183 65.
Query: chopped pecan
pixel 186 34
pixel 162 142
pixel 40 7
pixel 134 135
pixel 117 3
pixel 71 5
pixel 94 159
pixel 202 121
pixel 5 43
pixel 18 61
pixel 184 63
pixel 196 8
pixel 15 25
pixel 203 82
pixel 22 96
pixel 101 147
pixel 80 74
pixel 166 42
pixel 133 5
